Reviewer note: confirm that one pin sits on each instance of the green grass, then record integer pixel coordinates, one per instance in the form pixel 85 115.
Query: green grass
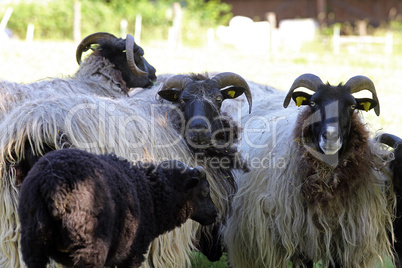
pixel 200 261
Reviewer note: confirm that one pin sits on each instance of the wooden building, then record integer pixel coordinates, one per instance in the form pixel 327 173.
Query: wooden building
pixel 325 11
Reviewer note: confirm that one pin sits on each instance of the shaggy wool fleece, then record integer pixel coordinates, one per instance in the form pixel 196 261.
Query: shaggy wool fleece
pixel 301 207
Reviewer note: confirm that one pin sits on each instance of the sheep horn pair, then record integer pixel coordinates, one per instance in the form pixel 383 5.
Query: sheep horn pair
pixel 312 82
pixel 222 79
pixel 96 37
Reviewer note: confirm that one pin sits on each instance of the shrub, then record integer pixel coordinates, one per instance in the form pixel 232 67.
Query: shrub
pixel 53 19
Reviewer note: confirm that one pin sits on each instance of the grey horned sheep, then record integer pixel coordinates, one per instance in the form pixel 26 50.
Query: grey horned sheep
pixel 115 66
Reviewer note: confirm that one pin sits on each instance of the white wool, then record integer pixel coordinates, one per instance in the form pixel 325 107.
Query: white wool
pixel 94 77
pixel 270 224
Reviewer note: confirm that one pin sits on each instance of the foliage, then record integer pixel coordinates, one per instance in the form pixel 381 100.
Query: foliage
pixel 198 260
pixel 46 23
pixel 53 19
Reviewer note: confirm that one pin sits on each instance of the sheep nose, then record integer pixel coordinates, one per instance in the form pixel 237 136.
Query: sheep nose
pixel 198 124
pixel 330 135
pixel 200 135
pixel 199 132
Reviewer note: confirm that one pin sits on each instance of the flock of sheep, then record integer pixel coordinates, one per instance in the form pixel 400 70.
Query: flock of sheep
pixel 94 174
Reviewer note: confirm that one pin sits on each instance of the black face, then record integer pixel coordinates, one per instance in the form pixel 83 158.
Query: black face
pixel 195 186
pixel 332 116
pixel 332 109
pixel 113 51
pixel 200 102
pixel 204 210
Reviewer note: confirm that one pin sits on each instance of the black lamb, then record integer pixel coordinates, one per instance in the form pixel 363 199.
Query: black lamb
pixel 87 210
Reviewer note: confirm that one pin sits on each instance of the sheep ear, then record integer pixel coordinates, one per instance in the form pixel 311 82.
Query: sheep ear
pixel 191 183
pixel 366 104
pixel 301 98
pixel 232 92
pixel 172 94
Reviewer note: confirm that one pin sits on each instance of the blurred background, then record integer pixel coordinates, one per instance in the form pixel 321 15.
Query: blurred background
pixel 270 42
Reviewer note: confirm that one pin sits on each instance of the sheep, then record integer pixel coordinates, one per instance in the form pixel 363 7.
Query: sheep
pixel 396 169
pixel 317 189
pixel 109 71
pixel 96 125
pixel 90 210
pixel 209 133
pixel 134 128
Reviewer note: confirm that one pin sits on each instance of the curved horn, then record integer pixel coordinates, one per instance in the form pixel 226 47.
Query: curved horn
pixel 232 79
pixel 360 82
pixel 130 57
pixel 89 40
pixel 178 81
pixel 310 81
pixel 389 139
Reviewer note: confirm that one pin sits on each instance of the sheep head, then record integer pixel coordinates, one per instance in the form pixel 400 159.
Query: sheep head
pixel 332 108
pixel 200 100
pixel 125 54
pixel 194 184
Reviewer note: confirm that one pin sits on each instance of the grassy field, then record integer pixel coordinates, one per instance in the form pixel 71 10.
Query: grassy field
pixel 28 62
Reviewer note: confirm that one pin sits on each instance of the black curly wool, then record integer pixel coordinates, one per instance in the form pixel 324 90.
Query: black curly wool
pixel 83 209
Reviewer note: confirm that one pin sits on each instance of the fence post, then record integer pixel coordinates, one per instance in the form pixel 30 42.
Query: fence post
pixel 123 28
pixel 389 43
pixel 336 39
pixel 137 32
pixel 271 18
pixel 30 33
pixel 211 38
pixel 77 21
pixel 175 37
pixel 5 19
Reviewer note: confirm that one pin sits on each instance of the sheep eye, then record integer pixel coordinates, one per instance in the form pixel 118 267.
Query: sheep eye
pixel 352 106
pixel 312 103
pixel 219 99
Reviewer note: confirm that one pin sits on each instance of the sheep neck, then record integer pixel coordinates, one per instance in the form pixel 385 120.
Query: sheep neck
pixel 167 199
pixel 324 182
pixel 98 66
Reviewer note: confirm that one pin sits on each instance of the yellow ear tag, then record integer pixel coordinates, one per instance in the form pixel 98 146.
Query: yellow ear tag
pixel 176 96
pixel 299 100
pixel 366 106
pixel 231 93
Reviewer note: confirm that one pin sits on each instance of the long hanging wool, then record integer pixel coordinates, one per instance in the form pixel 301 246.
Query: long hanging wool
pixel 96 76
pixel 292 206
pixel 136 130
